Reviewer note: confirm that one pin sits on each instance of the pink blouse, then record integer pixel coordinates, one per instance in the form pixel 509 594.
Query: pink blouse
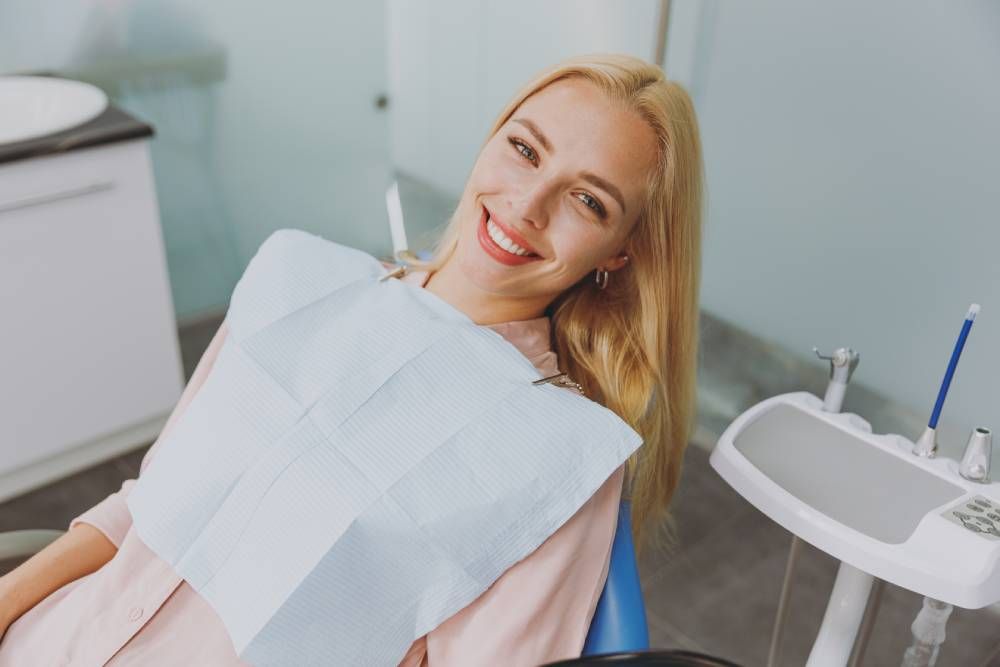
pixel 135 610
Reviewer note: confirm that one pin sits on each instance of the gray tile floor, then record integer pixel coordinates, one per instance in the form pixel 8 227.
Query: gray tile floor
pixel 715 591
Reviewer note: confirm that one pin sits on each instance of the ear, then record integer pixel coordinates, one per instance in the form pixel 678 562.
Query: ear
pixel 614 263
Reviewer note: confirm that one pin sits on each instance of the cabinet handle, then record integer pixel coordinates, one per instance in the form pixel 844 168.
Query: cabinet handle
pixel 38 200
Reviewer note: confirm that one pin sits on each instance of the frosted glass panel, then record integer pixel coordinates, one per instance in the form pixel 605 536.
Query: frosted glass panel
pixel 852 178
pixel 266 116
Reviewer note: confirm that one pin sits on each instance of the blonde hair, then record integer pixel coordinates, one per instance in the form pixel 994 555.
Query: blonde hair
pixel 633 346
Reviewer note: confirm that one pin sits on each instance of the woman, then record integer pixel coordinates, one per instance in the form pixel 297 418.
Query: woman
pixel 577 238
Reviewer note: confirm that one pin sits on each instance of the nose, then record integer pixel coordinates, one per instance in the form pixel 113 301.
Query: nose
pixel 530 204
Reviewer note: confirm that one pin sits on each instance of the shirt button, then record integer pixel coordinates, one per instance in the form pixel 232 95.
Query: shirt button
pixel 134 613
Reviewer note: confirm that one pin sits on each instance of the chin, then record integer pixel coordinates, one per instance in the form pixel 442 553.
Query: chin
pixel 479 269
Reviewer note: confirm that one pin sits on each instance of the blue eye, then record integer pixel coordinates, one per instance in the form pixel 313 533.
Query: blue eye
pixel 590 200
pixel 597 208
pixel 524 149
pixel 528 153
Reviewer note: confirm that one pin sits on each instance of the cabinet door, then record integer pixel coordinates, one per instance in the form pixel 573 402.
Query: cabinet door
pixel 88 341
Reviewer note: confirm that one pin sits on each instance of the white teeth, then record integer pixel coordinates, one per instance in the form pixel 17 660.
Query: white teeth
pixel 503 240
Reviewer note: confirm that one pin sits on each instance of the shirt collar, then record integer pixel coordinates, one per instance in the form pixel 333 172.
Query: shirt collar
pixel 530 337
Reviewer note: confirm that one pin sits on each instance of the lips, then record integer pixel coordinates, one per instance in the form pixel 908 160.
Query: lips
pixel 512 234
pixel 497 252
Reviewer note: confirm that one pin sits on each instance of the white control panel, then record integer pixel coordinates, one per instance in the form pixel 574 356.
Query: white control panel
pixel 977 514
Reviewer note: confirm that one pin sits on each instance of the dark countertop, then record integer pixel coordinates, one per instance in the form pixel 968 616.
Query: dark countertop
pixel 111 126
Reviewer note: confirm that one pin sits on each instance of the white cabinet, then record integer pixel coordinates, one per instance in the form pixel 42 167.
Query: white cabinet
pixel 89 359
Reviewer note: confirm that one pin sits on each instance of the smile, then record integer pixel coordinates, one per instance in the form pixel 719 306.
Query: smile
pixel 499 245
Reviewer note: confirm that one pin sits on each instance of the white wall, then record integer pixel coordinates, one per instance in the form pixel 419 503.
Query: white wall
pixel 852 152
pixel 453 65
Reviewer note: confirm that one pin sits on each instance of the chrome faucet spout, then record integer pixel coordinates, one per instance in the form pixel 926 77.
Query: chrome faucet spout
pixel 843 363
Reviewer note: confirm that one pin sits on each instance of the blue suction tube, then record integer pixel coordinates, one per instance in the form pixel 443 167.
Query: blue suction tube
pixel 952 364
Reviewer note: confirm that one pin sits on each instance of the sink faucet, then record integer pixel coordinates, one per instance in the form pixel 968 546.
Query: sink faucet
pixel 843 361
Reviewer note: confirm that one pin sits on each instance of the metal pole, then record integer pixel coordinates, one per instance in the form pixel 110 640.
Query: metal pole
pixel 774 654
pixel 867 624
pixel 662 26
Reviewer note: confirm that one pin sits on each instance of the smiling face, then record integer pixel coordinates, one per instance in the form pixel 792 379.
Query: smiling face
pixel 563 179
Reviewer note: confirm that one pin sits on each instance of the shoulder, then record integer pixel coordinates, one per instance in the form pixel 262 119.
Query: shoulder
pixel 584 540
pixel 602 507
pixel 298 254
pixel 298 244
pixel 291 269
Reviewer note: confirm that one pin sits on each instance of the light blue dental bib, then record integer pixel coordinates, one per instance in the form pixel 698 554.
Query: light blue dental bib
pixel 362 462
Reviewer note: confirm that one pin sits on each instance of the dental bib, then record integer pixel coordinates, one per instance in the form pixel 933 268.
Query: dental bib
pixel 362 462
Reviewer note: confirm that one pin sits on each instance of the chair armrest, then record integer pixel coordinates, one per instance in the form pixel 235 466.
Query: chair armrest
pixel 25 543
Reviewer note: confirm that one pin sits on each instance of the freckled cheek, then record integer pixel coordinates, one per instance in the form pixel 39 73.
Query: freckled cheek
pixel 500 169
pixel 575 250
pixel 511 180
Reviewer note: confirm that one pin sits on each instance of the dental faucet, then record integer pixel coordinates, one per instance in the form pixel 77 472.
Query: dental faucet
pixel 843 362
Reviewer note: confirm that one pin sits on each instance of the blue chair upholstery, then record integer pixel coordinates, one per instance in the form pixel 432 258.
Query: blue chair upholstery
pixel 619 623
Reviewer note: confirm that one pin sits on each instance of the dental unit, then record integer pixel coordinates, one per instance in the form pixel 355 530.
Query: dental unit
pixel 793 455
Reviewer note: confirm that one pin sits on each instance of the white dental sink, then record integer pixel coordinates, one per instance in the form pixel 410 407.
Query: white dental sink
pixel 865 499
pixel 35 106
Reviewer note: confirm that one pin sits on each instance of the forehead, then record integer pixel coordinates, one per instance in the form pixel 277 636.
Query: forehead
pixel 589 132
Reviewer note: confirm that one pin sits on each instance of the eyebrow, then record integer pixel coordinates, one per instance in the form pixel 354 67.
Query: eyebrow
pixel 587 176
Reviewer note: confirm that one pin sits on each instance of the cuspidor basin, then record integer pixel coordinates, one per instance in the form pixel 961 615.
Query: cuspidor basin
pixel 865 499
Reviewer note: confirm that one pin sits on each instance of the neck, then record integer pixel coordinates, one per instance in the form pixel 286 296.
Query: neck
pixel 483 308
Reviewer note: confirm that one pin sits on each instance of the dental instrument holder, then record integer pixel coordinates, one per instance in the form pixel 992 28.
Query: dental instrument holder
pixel 975 465
pixel 926 445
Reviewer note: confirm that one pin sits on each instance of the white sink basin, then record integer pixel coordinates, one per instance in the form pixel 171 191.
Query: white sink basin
pixel 865 499
pixel 35 106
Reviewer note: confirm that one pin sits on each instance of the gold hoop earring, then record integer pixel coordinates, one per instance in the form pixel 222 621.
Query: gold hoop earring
pixel 601 278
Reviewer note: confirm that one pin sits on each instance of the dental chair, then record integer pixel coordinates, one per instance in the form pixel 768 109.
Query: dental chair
pixel 619 622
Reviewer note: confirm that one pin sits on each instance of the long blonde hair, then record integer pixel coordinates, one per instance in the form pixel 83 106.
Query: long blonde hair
pixel 633 346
